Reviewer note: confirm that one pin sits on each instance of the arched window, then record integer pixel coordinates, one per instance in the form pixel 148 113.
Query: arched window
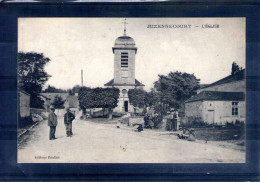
pixel 124 91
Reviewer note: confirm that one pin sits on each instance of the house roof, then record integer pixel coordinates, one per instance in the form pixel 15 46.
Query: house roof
pixel 203 85
pixel 72 101
pixel 111 83
pixel 231 78
pixel 47 98
pixel 20 90
pixel 217 96
pixel 51 96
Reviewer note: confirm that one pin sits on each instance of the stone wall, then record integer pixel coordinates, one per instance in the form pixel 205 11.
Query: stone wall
pixel 118 75
pixel 136 120
pixel 24 104
pixel 213 112
pixel 223 112
pixel 193 109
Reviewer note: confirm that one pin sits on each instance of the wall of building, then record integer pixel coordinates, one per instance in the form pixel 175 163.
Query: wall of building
pixel 213 112
pixel 237 86
pixel 194 109
pixel 46 104
pixel 222 112
pixel 193 112
pixel 24 102
pixel 124 97
pixel 119 77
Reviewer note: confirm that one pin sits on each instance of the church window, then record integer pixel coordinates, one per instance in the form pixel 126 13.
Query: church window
pixel 234 108
pixel 124 59
pixel 124 91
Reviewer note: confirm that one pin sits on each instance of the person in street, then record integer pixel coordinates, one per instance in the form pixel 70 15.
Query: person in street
pixel 68 118
pixel 52 123
pixel 175 119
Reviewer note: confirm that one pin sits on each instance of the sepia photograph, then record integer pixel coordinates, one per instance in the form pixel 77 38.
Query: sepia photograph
pixel 131 90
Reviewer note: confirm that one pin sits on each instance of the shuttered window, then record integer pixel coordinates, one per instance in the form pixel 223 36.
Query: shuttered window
pixel 235 108
pixel 124 59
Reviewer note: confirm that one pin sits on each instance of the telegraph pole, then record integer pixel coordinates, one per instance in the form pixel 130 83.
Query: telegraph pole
pixel 82 78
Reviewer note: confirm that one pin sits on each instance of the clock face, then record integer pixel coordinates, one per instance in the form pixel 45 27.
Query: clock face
pixel 124 91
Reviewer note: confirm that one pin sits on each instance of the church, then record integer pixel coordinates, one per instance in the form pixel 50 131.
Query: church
pixel 124 51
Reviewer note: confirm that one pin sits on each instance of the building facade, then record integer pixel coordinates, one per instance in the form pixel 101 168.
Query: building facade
pixel 124 51
pixel 220 102
pixel 24 104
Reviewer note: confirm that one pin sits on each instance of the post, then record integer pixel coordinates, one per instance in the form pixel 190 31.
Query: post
pixel 82 78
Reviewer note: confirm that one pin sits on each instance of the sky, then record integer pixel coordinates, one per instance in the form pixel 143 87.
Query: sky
pixel 75 44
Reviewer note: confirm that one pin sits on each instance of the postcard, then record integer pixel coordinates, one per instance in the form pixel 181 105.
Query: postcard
pixel 131 90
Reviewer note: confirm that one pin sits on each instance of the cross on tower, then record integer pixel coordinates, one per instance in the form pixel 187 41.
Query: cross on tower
pixel 124 27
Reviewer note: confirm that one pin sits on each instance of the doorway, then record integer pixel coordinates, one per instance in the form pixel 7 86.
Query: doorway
pixel 210 116
pixel 126 106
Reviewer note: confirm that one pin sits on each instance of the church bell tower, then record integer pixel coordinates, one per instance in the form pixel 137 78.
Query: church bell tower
pixel 124 51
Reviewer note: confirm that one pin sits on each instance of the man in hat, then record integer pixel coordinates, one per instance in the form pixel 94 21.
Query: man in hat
pixel 68 118
pixel 52 122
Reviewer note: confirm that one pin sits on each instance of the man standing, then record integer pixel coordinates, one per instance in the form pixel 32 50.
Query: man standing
pixel 175 119
pixel 68 118
pixel 52 122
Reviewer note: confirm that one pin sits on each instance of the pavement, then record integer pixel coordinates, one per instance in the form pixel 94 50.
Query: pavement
pixel 104 143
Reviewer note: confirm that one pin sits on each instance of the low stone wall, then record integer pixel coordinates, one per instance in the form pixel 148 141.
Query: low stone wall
pixel 136 120
pixel 36 110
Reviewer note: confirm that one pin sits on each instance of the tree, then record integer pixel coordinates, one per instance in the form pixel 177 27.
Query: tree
pixel 137 97
pixel 70 91
pixel 75 89
pixel 58 102
pixel 151 98
pixel 235 68
pixel 98 98
pixel 176 87
pixel 32 76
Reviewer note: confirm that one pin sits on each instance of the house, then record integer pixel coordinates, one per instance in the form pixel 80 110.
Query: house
pixel 24 103
pixel 72 102
pixel 47 102
pixel 220 102
pixel 51 96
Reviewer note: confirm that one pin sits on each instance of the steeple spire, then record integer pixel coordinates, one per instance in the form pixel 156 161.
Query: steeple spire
pixel 124 27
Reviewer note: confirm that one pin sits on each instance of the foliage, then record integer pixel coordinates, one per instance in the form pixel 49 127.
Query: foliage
pixel 37 102
pixel 137 97
pixel 32 76
pixel 151 98
pixel 76 89
pixel 51 89
pixel 70 92
pixel 25 121
pixel 98 97
pixel 176 87
pixel 58 102
pixel 235 68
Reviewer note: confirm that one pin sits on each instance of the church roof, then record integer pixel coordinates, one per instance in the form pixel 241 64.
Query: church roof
pixel 217 96
pixel 111 83
pixel 124 40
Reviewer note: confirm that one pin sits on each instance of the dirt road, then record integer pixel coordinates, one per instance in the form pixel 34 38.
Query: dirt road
pixel 104 143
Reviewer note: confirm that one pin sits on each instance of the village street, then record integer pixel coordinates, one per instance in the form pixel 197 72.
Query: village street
pixel 104 143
